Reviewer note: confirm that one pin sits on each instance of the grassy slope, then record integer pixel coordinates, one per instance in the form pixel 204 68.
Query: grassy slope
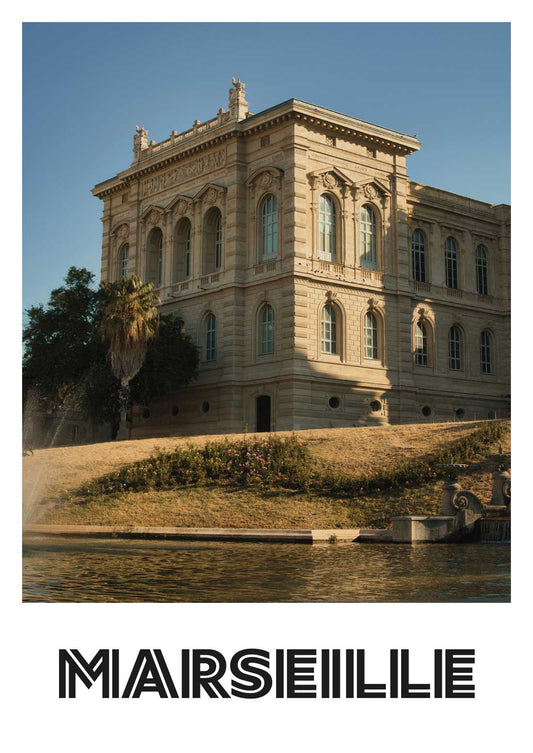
pixel 52 476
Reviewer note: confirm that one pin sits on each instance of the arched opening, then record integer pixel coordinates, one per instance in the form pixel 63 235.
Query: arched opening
pixel 154 257
pixel 450 262
pixel 124 261
pixel 482 271
pixel 182 251
pixel 371 339
pixel 368 238
pixel 262 413
pixel 212 245
pixel 329 336
pixel 269 228
pixel 327 229
pixel 266 330
pixel 418 247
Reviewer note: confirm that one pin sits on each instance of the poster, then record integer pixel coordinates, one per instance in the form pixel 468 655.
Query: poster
pixel 491 633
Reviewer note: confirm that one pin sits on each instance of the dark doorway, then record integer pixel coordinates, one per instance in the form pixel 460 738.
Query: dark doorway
pixel 263 413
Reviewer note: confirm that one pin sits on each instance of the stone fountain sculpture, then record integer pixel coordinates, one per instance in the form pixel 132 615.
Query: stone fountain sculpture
pixel 462 516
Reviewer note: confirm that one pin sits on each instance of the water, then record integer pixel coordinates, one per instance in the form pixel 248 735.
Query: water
pixel 121 570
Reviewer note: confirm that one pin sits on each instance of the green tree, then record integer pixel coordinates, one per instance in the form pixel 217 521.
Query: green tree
pixel 171 361
pixel 129 320
pixel 65 362
pixel 59 342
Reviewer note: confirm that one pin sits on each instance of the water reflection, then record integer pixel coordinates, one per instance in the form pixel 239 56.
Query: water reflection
pixel 92 570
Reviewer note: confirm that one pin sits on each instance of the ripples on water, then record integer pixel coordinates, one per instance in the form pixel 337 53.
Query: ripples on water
pixel 92 570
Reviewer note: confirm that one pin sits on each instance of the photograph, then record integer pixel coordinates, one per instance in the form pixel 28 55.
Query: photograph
pixel 266 331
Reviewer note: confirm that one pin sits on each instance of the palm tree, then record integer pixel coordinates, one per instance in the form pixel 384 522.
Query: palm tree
pixel 130 320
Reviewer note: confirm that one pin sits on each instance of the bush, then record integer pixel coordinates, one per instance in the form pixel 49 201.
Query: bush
pixel 275 461
pixel 414 473
pixel 285 463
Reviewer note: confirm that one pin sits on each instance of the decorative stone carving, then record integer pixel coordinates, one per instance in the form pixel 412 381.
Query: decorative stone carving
pixel 370 192
pixel 329 181
pixel 465 500
pixel 140 141
pixel 211 196
pixel 181 207
pixel 238 106
pixel 181 173
pixel 265 180
pixel 122 232
pixel 331 295
pixel 154 218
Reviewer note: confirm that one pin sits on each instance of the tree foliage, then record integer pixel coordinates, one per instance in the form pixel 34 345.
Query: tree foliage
pixel 171 358
pixel 59 340
pixel 65 363
pixel 130 320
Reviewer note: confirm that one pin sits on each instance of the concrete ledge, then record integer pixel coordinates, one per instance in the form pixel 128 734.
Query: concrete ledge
pixel 408 529
pixel 280 535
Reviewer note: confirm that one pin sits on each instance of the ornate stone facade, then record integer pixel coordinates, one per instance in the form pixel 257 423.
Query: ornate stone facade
pixel 323 287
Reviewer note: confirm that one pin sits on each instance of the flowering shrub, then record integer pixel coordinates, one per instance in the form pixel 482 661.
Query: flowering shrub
pixel 281 462
pixel 285 463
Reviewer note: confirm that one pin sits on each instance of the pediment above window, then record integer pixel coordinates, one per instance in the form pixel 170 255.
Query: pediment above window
pixel 330 179
pixel 211 193
pixel 121 231
pixel 153 215
pixel 181 204
pixel 371 190
pixel 265 177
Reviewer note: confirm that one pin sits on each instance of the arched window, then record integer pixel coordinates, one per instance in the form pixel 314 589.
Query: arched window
pixel 450 260
pixel 485 353
pixel 124 261
pixel 218 243
pixel 211 338
pixel 160 262
pixel 368 238
pixel 454 349
pixel 269 228
pixel 266 330
pixel 419 256
pixel 329 329
pixel 371 336
pixel 421 344
pixel 212 242
pixel 154 257
pixel 482 271
pixel 182 250
pixel 327 229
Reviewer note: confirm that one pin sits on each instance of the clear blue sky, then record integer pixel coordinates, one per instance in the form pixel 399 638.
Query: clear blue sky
pixel 86 86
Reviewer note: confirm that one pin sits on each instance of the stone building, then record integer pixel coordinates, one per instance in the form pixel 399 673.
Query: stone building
pixel 322 286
